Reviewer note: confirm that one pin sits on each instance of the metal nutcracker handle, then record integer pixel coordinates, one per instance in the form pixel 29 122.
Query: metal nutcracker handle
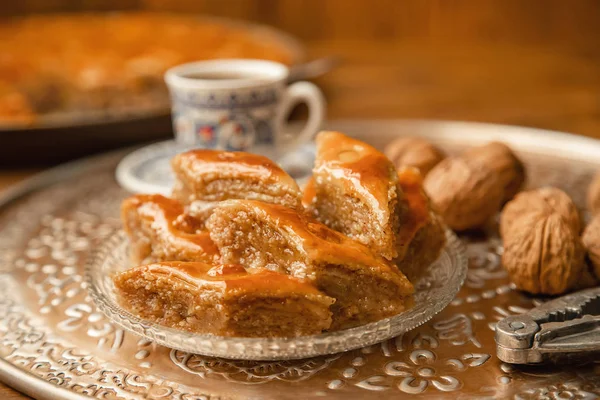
pixel 562 330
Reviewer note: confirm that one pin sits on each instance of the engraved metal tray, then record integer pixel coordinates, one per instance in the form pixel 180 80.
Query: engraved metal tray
pixel 55 344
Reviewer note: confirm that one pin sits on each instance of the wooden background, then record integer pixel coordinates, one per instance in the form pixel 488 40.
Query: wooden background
pixel 524 62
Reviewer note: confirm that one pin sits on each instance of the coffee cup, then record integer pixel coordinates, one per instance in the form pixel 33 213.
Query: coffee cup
pixel 240 105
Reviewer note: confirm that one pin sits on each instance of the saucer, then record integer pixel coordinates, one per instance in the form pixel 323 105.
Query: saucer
pixel 148 169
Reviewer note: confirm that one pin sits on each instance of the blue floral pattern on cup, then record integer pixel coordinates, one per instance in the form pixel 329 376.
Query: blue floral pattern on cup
pixel 231 100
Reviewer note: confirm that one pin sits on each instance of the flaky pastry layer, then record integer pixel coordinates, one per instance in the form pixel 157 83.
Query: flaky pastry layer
pixel 224 300
pixel 205 177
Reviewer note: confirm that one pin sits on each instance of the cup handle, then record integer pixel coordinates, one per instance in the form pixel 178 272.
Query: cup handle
pixel 294 94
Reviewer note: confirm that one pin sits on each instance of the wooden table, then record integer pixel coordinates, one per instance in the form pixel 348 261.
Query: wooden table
pixel 548 87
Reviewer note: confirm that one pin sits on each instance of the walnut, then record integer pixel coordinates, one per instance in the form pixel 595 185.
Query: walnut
pixel 543 255
pixel 501 158
pixel 544 201
pixel 414 152
pixel 591 242
pixel 466 193
pixel 593 195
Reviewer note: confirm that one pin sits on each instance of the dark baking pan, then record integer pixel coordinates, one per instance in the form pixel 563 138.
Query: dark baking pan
pixel 46 145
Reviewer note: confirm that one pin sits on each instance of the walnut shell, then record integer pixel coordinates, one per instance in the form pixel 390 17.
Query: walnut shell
pixel 543 255
pixel 414 152
pixel 544 201
pixel 591 242
pixel 465 193
pixel 501 158
pixel 593 195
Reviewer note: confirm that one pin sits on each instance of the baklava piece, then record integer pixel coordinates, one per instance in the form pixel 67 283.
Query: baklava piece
pixel 160 230
pixel 423 232
pixel 356 192
pixel 224 300
pixel 205 177
pixel 259 235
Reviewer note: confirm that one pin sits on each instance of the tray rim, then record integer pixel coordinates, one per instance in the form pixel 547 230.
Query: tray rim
pixel 31 385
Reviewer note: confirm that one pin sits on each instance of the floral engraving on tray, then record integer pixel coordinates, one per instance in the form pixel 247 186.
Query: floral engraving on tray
pixel 52 256
pixel 560 391
pixel 82 316
pixel 486 278
pixel 250 372
pixel 458 329
pixel 484 263
pixel 423 370
pixel 51 259
pixel 16 330
pixel 415 365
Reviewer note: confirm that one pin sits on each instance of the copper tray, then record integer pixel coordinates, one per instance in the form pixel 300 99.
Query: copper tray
pixel 54 343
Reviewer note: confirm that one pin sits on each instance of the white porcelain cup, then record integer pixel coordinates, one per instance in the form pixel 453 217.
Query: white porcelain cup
pixel 240 105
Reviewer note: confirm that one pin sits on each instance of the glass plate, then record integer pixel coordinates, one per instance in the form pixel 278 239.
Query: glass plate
pixel 433 291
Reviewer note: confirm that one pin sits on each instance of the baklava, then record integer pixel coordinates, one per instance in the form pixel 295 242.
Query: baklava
pixel 160 230
pixel 260 235
pixel 356 192
pixel 206 177
pixel 224 300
